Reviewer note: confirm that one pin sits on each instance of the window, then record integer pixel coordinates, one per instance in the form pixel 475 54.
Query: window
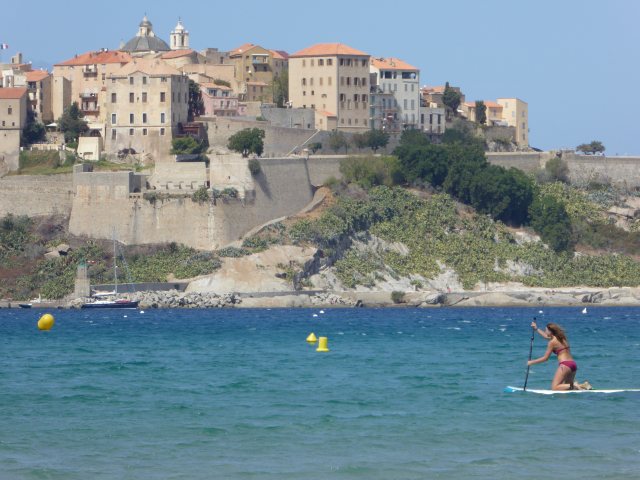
pixel 144 118
pixel 341 80
pixel 113 98
pixel 144 80
pixel 131 118
pixel 162 117
pixel 406 87
pixel 130 80
pixel 131 132
pixel 320 62
pixel 162 131
pixel 304 62
pixel 113 134
pixel 131 99
pixel 163 79
pixel 144 131
pixel 304 93
pixel 405 103
pixel 144 97
pixel 313 92
pixel 356 121
pixel 9 110
pixel 329 62
pixel 163 96
pixel 304 81
pixel 413 104
pixel 523 127
pixel 329 81
pixel 348 81
pixel 364 81
pixel 364 62
pixel 342 64
pixel 173 97
pixel 320 81
pixel 311 62
pixel 113 119
pixel 113 80
pixel 311 81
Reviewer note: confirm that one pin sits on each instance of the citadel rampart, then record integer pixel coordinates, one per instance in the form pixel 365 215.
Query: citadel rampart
pixel 36 195
pixel 101 202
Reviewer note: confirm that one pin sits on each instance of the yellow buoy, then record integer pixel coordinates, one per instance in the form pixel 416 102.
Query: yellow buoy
pixel 46 322
pixel 322 345
pixel 312 338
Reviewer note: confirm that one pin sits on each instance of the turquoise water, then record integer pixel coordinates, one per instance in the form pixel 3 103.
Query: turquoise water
pixel 239 394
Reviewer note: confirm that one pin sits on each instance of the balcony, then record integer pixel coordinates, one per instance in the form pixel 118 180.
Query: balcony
pixel 89 96
pixel 90 73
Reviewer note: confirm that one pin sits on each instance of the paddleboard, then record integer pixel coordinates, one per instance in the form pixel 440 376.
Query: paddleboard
pixel 553 392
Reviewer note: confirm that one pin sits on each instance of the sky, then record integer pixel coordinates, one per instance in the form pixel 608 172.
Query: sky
pixel 575 62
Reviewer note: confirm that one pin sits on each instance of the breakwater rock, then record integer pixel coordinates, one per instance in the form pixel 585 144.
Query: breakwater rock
pixel 176 299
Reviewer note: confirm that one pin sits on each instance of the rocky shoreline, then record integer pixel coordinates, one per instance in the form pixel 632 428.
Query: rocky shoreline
pixel 422 299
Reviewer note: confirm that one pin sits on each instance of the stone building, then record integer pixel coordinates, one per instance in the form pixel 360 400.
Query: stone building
pixel 83 79
pixel 255 69
pixel 13 116
pixel 220 101
pixel 333 80
pixel 39 86
pixel 179 38
pixel 394 76
pixel 147 101
pixel 515 113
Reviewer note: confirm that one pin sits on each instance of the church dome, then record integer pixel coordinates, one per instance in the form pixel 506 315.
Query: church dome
pixel 146 44
pixel 145 40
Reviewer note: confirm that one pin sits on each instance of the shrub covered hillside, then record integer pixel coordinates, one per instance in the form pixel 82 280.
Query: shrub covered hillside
pixel 435 232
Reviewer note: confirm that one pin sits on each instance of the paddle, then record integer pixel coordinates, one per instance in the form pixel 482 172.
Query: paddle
pixel 526 378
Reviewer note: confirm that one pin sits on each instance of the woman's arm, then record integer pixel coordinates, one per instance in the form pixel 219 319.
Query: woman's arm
pixel 540 332
pixel 543 358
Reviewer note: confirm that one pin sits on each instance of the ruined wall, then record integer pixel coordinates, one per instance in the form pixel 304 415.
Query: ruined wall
pixel 36 195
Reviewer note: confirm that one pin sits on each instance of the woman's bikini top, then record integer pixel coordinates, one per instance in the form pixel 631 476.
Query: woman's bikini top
pixel 560 350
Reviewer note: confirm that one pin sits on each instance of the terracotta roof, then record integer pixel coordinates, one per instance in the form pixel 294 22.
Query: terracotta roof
pixel 329 50
pixel 177 53
pixel 241 49
pixel 325 113
pixel 280 54
pixel 148 66
pixel 12 93
pixel 36 75
pixel 487 103
pixel 214 85
pixel 438 89
pixel 392 64
pixel 91 58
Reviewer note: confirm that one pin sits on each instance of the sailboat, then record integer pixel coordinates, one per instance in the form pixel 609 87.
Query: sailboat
pixel 106 303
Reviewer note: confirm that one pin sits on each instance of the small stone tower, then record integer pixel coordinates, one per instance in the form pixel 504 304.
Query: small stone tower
pixel 83 285
pixel 179 38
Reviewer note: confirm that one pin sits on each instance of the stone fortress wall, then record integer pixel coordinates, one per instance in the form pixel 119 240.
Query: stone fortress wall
pixel 101 202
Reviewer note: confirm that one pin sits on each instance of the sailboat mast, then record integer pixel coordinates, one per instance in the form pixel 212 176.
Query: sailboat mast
pixel 115 266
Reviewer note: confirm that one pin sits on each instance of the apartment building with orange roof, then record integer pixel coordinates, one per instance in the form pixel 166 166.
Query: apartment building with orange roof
pixel 83 79
pixel 332 79
pixel 493 112
pixel 146 103
pixel 402 81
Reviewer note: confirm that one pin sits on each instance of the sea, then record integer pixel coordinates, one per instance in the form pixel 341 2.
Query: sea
pixel 240 394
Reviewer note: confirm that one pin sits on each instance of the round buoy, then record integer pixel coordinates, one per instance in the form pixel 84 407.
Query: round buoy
pixel 322 345
pixel 312 338
pixel 46 322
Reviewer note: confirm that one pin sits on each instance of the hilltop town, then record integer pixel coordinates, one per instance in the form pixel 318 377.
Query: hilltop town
pixel 138 106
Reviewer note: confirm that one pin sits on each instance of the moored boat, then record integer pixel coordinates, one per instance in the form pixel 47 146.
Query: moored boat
pixel 122 303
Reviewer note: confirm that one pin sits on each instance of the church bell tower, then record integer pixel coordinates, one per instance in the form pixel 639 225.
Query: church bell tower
pixel 179 38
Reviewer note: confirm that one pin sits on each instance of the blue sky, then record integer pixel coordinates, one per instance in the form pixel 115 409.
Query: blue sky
pixel 575 62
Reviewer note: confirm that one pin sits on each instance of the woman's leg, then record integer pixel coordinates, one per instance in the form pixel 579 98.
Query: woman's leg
pixel 563 379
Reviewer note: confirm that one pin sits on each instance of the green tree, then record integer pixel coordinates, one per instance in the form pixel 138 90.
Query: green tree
pixel 196 104
pixel 314 147
pixel 413 137
pixel 360 140
pixel 247 141
pixel 223 83
pixel 481 112
pixel 376 139
pixel 370 171
pixel 280 89
pixel 557 169
pixel 337 140
pixel 550 219
pixel 187 146
pixel 71 123
pixel 33 131
pixel 451 100
pixel 591 148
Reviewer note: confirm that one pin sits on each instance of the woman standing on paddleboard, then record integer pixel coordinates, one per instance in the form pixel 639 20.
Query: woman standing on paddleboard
pixel 565 377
